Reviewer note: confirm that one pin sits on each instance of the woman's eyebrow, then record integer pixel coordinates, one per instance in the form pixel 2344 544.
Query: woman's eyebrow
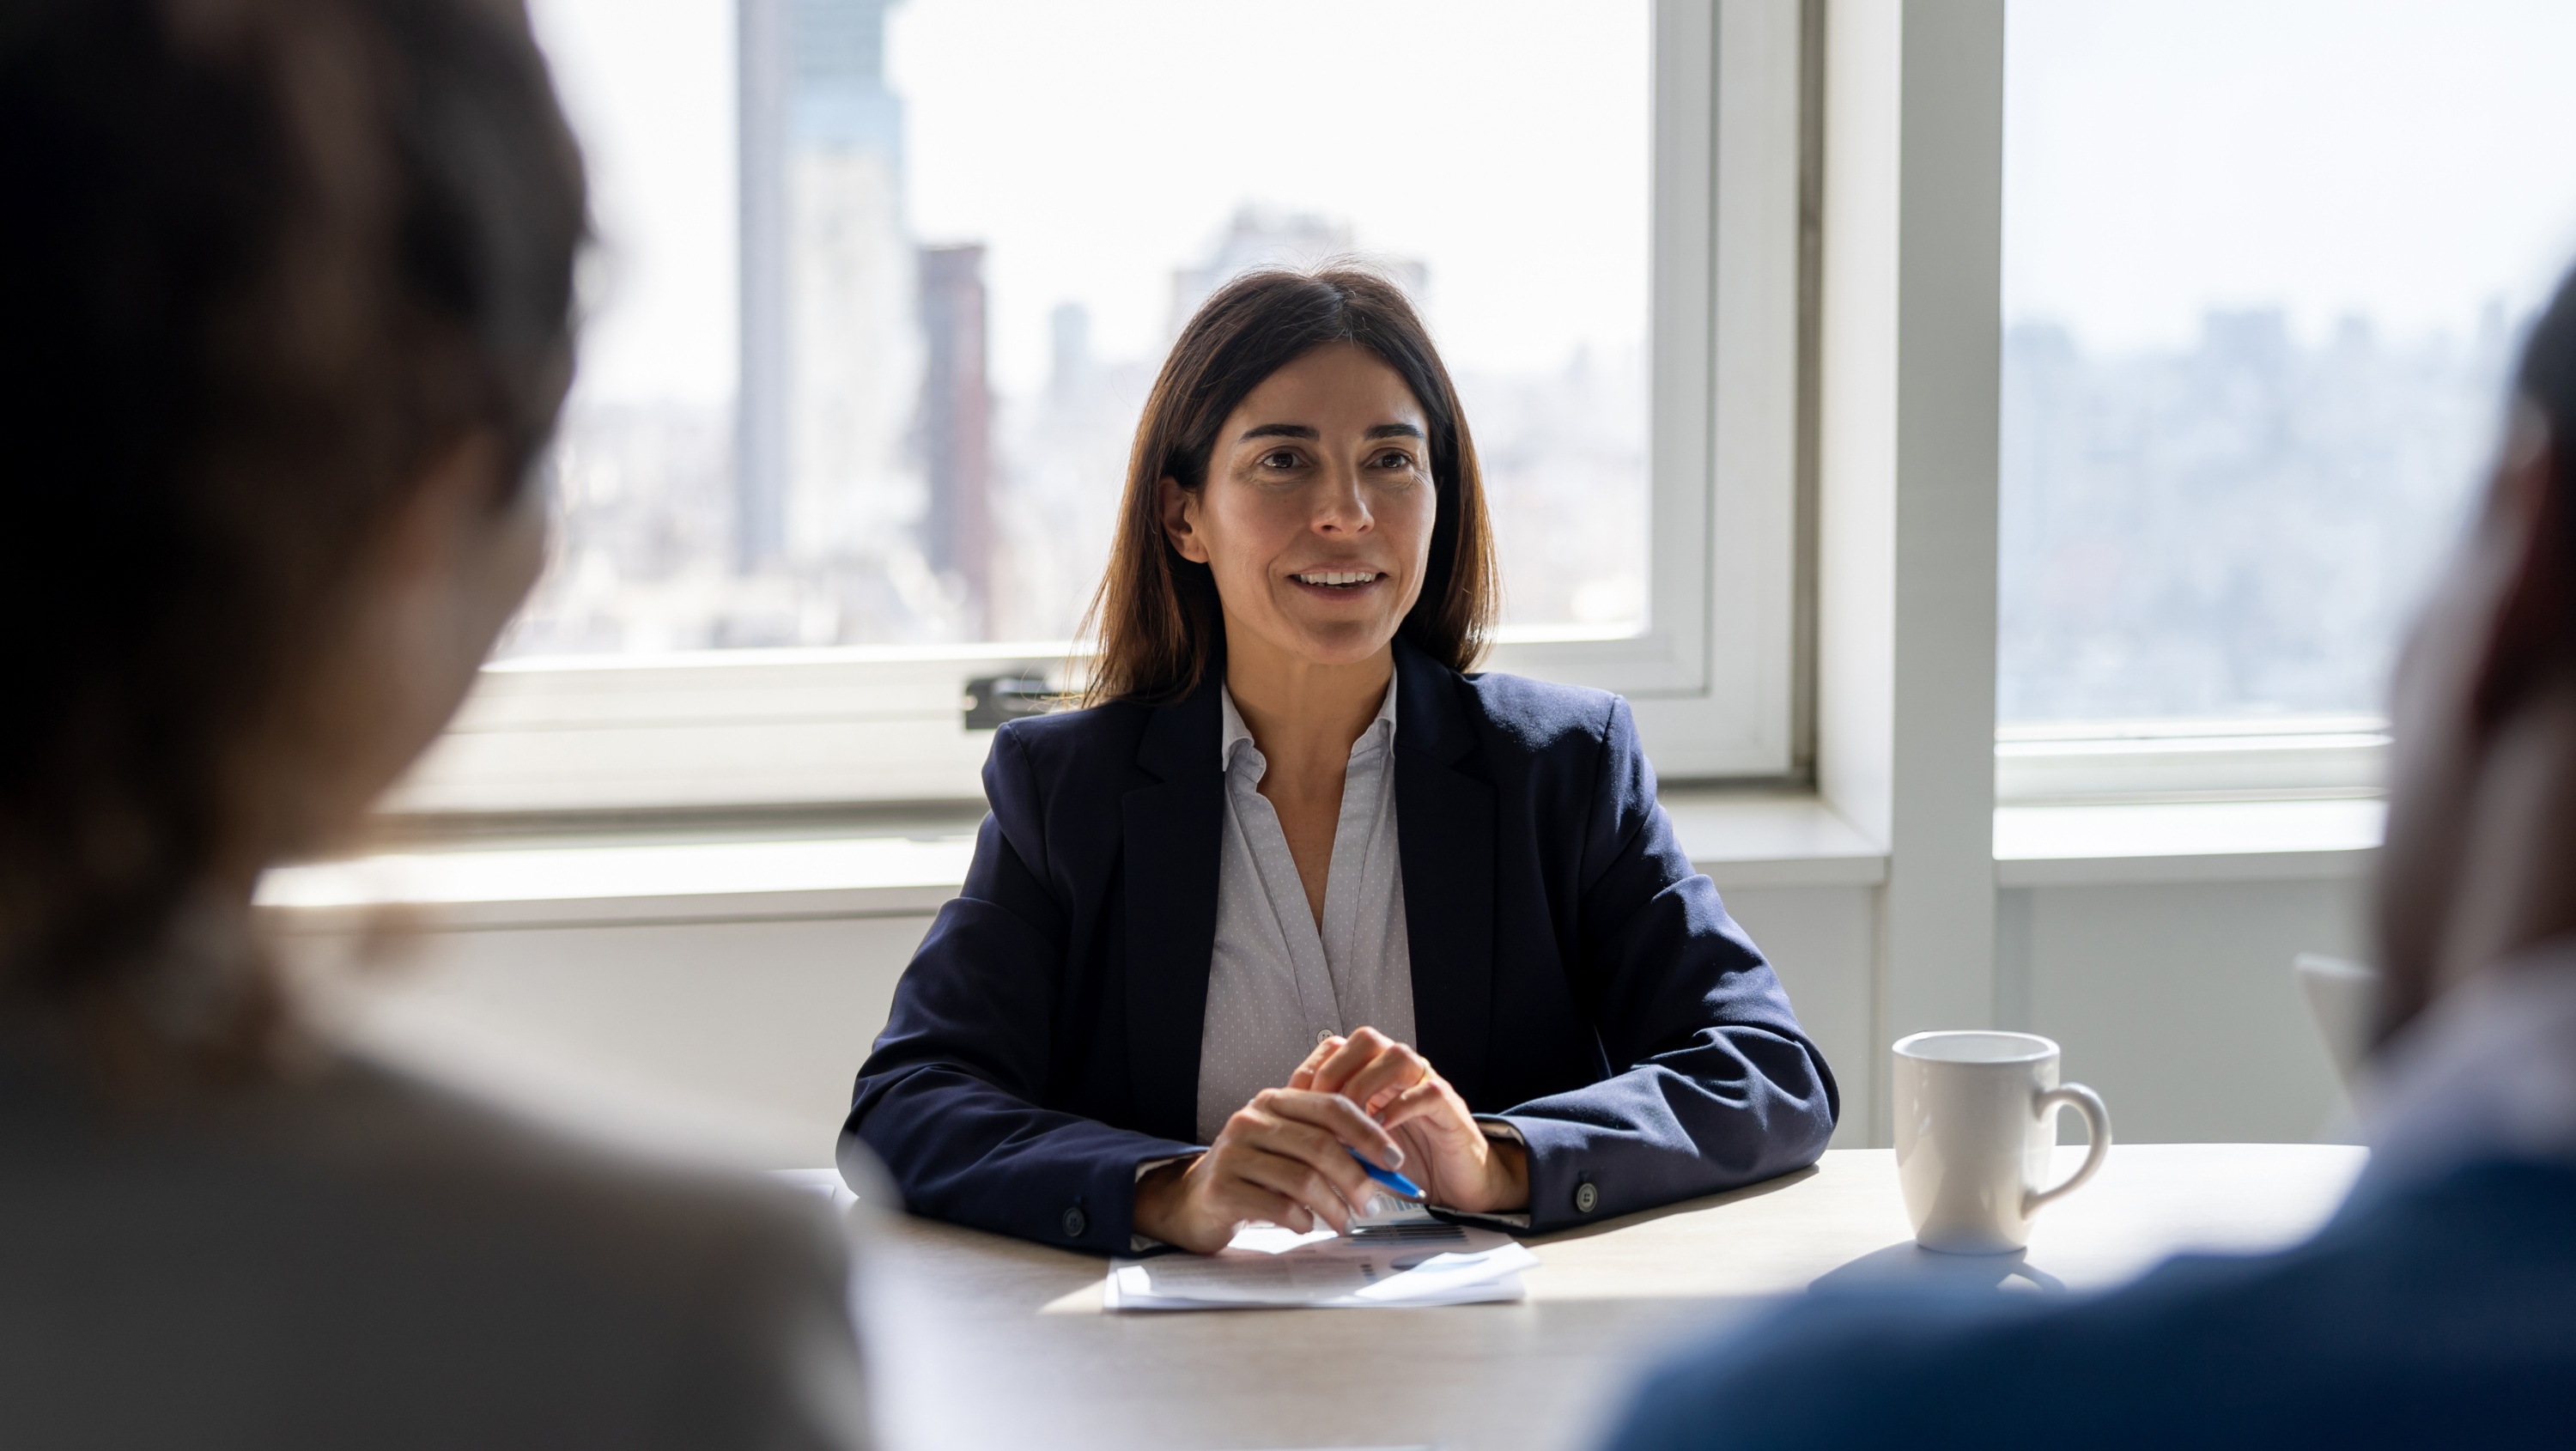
pixel 1394 430
pixel 1279 430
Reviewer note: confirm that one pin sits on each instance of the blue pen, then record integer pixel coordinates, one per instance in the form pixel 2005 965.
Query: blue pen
pixel 1388 1177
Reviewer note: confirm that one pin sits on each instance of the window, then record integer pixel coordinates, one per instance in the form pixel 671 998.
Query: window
pixel 883 283
pixel 2260 299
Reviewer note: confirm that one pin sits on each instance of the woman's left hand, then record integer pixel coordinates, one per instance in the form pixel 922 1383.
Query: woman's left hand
pixel 1445 1150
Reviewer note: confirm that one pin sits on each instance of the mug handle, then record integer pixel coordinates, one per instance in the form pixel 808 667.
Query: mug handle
pixel 2097 1120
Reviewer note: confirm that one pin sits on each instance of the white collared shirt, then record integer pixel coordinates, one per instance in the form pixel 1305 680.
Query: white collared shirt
pixel 1276 981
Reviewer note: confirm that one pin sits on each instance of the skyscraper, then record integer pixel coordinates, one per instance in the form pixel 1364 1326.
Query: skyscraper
pixel 831 349
pixel 957 424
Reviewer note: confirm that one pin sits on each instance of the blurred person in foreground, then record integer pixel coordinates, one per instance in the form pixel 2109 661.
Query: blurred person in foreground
pixel 2438 1307
pixel 285 301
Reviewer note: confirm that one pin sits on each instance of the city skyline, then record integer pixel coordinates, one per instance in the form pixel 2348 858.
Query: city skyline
pixel 2238 527
pixel 892 479
pixel 1078 202
pixel 651 485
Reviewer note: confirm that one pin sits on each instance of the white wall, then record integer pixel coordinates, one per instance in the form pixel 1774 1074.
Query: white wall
pixel 1822 941
pixel 741 1038
pixel 2176 1001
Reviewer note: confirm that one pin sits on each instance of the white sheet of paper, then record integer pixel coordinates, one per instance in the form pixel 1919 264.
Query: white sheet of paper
pixel 1412 1262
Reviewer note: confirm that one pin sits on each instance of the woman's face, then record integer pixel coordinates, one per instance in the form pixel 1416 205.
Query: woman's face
pixel 1316 518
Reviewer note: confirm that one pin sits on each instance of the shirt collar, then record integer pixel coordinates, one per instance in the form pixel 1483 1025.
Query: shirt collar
pixel 2489 1072
pixel 1380 730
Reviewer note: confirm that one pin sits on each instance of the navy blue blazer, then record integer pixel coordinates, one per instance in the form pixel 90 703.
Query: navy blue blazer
pixel 1571 973
pixel 2440 1315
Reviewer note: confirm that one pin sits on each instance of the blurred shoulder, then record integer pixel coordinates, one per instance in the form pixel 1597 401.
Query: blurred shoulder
pixel 359 1257
pixel 1781 1381
pixel 393 1136
pixel 2446 1315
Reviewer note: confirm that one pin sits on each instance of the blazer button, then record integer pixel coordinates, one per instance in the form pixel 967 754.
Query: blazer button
pixel 1586 1198
pixel 1075 1221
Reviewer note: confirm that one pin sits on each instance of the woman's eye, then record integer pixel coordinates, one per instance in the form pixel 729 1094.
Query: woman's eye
pixel 1279 459
pixel 1395 459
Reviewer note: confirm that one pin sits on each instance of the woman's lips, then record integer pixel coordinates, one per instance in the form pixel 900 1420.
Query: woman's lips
pixel 1340 584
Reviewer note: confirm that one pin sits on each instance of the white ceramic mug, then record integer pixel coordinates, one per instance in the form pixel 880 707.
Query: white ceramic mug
pixel 1976 1117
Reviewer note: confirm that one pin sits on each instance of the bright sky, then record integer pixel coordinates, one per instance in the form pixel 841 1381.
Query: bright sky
pixel 2397 158
pixel 649 86
pixel 2403 159
pixel 1095 147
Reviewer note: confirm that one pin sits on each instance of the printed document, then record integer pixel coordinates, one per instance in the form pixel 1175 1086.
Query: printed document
pixel 1411 1261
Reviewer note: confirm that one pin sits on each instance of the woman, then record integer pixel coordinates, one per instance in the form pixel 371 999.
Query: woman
pixel 1297 889
pixel 286 294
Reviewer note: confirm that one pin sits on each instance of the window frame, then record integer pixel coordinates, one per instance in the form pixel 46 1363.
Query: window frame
pixel 1714 679
pixel 2177 760
pixel 2287 757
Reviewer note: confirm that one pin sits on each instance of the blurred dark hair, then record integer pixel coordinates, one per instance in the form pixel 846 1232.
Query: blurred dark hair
pixel 262 260
pixel 1156 616
pixel 2546 374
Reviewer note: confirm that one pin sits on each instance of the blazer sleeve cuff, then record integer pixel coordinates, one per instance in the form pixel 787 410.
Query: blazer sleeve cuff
pixel 1097 1209
pixel 1561 1183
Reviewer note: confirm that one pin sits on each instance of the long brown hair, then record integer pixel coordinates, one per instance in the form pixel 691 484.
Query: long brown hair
pixel 1156 616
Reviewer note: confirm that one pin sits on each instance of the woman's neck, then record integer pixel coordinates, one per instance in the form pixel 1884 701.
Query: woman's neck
pixel 1304 716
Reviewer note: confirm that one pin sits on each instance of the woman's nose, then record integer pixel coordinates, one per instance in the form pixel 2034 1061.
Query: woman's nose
pixel 1343 509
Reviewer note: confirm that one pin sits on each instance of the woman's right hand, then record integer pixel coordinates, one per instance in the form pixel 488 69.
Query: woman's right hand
pixel 1285 1157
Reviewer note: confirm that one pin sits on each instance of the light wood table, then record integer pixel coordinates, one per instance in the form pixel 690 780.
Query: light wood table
pixel 979 1341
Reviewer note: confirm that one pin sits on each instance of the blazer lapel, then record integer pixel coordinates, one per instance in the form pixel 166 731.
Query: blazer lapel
pixel 1445 834
pixel 1172 834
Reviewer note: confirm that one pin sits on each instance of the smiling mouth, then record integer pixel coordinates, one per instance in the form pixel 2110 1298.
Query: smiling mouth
pixel 1339 579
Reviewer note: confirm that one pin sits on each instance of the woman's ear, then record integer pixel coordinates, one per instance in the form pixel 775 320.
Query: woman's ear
pixel 1181 521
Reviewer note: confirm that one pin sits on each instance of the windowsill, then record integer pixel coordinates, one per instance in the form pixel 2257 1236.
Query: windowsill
pixel 1783 839
pixel 2181 760
pixel 1743 841
pixel 1739 840
pixel 608 881
pixel 2200 841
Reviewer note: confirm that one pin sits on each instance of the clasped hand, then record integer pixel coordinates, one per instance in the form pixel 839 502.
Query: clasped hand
pixel 1285 1157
